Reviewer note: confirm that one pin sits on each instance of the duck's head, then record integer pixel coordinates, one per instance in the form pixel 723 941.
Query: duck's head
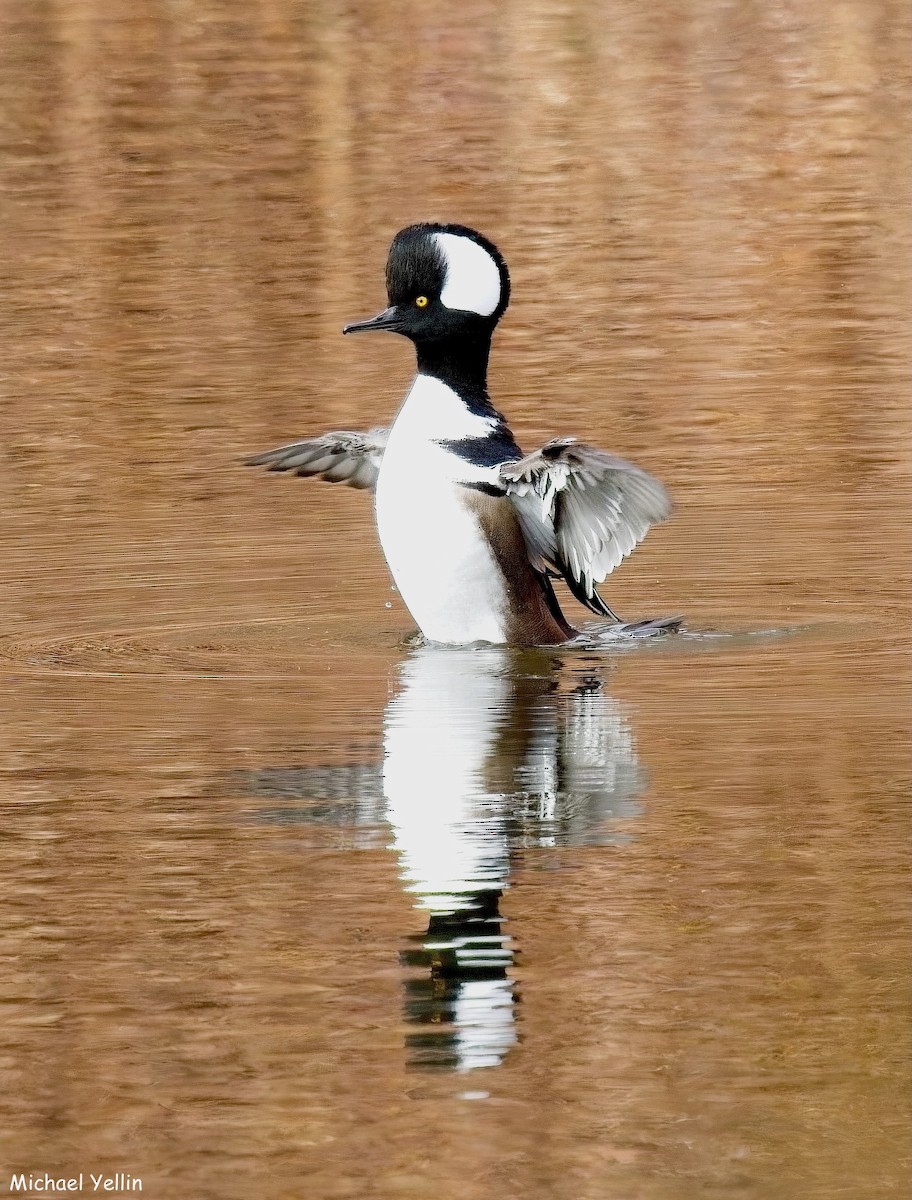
pixel 442 281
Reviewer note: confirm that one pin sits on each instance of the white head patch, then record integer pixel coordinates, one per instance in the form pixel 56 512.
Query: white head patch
pixel 472 276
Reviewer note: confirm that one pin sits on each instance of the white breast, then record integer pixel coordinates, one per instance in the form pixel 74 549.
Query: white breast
pixel 439 557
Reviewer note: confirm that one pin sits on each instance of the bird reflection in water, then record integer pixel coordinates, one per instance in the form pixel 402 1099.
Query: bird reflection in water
pixel 486 753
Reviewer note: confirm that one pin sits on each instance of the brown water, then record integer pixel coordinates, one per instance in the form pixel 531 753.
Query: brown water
pixel 293 910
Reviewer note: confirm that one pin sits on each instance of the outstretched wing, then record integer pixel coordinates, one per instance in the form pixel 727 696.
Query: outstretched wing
pixel 582 511
pixel 342 457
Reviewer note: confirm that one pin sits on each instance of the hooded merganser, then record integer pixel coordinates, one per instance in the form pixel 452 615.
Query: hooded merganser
pixel 472 530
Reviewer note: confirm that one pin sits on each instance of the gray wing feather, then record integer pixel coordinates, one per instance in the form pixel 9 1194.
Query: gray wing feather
pixel 341 457
pixel 582 510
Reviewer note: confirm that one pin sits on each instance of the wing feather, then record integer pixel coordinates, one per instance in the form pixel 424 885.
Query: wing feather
pixel 582 511
pixel 340 457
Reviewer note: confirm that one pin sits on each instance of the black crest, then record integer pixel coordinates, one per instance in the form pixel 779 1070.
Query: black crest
pixel 416 265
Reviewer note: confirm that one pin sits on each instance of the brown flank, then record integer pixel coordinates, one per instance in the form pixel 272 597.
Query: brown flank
pixel 534 618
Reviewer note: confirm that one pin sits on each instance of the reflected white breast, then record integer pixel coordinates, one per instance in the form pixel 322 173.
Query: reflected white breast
pixel 438 735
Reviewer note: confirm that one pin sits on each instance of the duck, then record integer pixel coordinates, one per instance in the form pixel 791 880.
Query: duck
pixel 474 531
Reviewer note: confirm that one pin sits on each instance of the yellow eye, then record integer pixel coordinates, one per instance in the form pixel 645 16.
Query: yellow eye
pixel 422 301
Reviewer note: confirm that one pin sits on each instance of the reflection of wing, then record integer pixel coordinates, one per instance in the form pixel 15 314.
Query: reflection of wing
pixel 580 776
pixel 347 798
pixel 582 511
pixel 342 457
pixel 480 759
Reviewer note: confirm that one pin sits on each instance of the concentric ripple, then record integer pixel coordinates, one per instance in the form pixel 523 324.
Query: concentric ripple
pixel 266 648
